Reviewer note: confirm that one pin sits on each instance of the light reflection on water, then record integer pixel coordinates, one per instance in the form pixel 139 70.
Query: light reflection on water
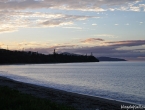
pixel 116 80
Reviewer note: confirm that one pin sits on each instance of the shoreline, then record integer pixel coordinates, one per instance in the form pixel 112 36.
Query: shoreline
pixel 78 101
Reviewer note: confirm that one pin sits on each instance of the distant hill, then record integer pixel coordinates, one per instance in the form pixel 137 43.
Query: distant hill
pixel 110 59
pixel 23 57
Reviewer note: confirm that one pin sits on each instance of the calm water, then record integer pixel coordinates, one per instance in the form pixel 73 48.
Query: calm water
pixel 124 81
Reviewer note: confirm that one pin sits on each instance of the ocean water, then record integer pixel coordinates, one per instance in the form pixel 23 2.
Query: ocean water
pixel 123 81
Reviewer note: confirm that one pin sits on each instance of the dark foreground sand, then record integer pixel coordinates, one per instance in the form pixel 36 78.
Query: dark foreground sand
pixel 80 102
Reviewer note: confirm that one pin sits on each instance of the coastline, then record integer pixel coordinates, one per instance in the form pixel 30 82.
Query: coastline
pixel 78 101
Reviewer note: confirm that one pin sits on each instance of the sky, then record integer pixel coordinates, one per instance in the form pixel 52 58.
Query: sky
pixel 112 28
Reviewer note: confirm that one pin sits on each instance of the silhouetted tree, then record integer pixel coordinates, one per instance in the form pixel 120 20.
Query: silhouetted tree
pixel 13 57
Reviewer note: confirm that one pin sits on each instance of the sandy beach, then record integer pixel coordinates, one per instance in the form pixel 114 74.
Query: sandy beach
pixel 80 102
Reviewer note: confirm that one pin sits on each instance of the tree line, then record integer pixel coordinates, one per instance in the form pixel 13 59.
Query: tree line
pixel 23 57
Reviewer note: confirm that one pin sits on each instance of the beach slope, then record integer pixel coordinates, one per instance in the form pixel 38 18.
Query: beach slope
pixel 78 101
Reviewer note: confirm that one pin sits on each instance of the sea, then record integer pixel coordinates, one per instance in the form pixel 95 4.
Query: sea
pixel 121 81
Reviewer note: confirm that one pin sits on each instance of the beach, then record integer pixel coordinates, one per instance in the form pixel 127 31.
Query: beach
pixel 78 101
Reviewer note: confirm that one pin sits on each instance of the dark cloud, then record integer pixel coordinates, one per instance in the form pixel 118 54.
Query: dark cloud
pixel 140 49
pixel 48 50
pixel 127 43
pixel 98 51
pixel 91 40
pixel 110 51
pixel 64 20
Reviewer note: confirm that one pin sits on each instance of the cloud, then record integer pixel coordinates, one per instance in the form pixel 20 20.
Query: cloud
pixel 13 20
pixel 127 24
pixel 98 51
pixel 91 40
pixel 82 5
pixel 116 24
pixel 133 8
pixel 140 23
pixel 63 20
pixel 54 23
pixel 141 49
pixel 127 43
pixel 30 44
pixel 111 49
pixel 94 24
pixel 7 29
pixel 118 44
pixel 106 35
pixel 13 14
pixel 49 50
pixel 142 6
pixel 141 58
pixel 73 28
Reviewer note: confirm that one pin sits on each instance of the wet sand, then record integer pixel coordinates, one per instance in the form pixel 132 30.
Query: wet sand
pixel 78 101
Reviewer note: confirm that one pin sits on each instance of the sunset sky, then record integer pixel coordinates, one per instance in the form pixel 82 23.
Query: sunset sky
pixel 113 28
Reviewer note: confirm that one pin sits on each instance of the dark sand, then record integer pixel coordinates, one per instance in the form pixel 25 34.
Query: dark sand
pixel 80 102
